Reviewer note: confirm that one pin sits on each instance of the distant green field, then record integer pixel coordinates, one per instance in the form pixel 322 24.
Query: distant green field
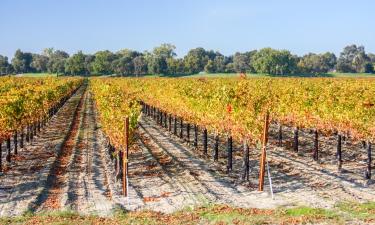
pixel 37 75
pixel 357 75
pixel 256 75
pixel 249 75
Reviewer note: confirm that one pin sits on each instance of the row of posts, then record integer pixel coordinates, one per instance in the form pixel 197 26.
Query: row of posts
pixel 170 122
pixel 340 137
pixel 165 119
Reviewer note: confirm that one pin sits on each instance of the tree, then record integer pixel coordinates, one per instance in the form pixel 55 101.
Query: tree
pixel 157 60
pixel 317 63
pixel 89 59
pixel 123 65
pixel 195 60
pixel 175 66
pixel 165 51
pixel 75 65
pixel 102 63
pixel 219 64
pixel 140 65
pixel 353 59
pixel 210 67
pixel 157 65
pixel 241 62
pixel 39 63
pixel 229 68
pixel 56 62
pixel 330 60
pixel 127 53
pixel 5 67
pixel 275 62
pixel 22 62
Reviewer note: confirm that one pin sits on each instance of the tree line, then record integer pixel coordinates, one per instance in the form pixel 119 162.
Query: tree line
pixel 163 60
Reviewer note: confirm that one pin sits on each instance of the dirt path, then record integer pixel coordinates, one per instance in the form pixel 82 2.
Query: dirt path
pixel 79 181
pixel 66 167
pixel 167 176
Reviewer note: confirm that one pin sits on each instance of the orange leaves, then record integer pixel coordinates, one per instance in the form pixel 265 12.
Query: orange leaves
pixel 156 198
pixel 237 106
pixel 229 108
pixel 114 102
pixel 25 100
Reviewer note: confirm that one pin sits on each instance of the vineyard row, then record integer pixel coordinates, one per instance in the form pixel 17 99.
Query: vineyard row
pixel 25 114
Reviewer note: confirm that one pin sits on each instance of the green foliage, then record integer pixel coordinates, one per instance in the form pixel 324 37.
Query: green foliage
pixel 354 59
pixel 123 65
pixel 75 65
pixel 162 60
pixel 5 67
pixel 57 59
pixel 22 62
pixel 274 62
pixel 317 63
pixel 39 63
pixel 243 62
pixel 102 62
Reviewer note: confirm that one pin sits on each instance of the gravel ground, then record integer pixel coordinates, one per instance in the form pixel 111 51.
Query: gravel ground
pixel 168 174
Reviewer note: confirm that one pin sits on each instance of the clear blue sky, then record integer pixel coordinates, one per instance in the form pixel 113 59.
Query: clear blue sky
pixel 228 26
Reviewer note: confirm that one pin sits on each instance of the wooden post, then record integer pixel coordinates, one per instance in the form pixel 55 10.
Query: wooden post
pixel 205 141
pixel 364 144
pixel 216 148
pixel 188 132
pixel 170 122
pixel 125 160
pixel 1 155
pixel 15 139
pixel 28 133
pixel 158 118
pixel 8 148
pixel 181 128
pixel 264 153
pixel 246 161
pixel 280 136
pixel 339 151
pixel 165 120
pixel 22 138
pixel 316 145
pixel 229 154
pixel 161 118
pixel 369 161
pixel 175 126
pixel 295 142
pixel 31 133
pixel 195 136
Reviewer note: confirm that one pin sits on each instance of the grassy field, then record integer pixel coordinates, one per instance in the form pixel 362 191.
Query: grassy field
pixel 357 75
pixel 38 75
pixel 249 75
pixel 214 214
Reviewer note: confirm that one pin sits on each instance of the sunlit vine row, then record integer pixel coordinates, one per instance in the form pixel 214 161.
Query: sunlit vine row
pixel 237 106
pixel 26 100
pixel 114 103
